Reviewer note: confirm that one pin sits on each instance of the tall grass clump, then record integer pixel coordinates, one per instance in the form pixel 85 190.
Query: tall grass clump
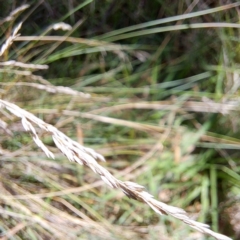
pixel 143 86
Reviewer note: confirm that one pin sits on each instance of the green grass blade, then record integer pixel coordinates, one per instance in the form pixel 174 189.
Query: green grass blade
pixel 166 20
pixel 172 28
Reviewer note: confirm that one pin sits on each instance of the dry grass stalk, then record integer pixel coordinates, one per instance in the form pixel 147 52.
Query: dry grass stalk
pixel 51 88
pixel 206 105
pixel 14 63
pixel 88 42
pixel 10 40
pixel 26 73
pixel 55 219
pixel 86 156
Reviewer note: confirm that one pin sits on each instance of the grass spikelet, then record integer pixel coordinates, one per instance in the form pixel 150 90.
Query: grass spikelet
pixel 14 13
pixel 10 40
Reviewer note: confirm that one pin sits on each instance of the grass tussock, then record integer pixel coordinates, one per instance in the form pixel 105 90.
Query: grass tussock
pixel 158 99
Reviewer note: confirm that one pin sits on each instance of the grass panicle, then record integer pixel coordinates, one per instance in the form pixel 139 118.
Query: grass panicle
pixel 87 157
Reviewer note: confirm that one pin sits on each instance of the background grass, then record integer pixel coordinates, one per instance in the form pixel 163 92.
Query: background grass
pixel 163 111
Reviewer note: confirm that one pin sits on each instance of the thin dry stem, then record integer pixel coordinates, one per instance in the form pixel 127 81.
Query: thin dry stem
pixel 51 88
pixel 207 105
pixel 86 156
pixel 91 42
pixel 14 63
